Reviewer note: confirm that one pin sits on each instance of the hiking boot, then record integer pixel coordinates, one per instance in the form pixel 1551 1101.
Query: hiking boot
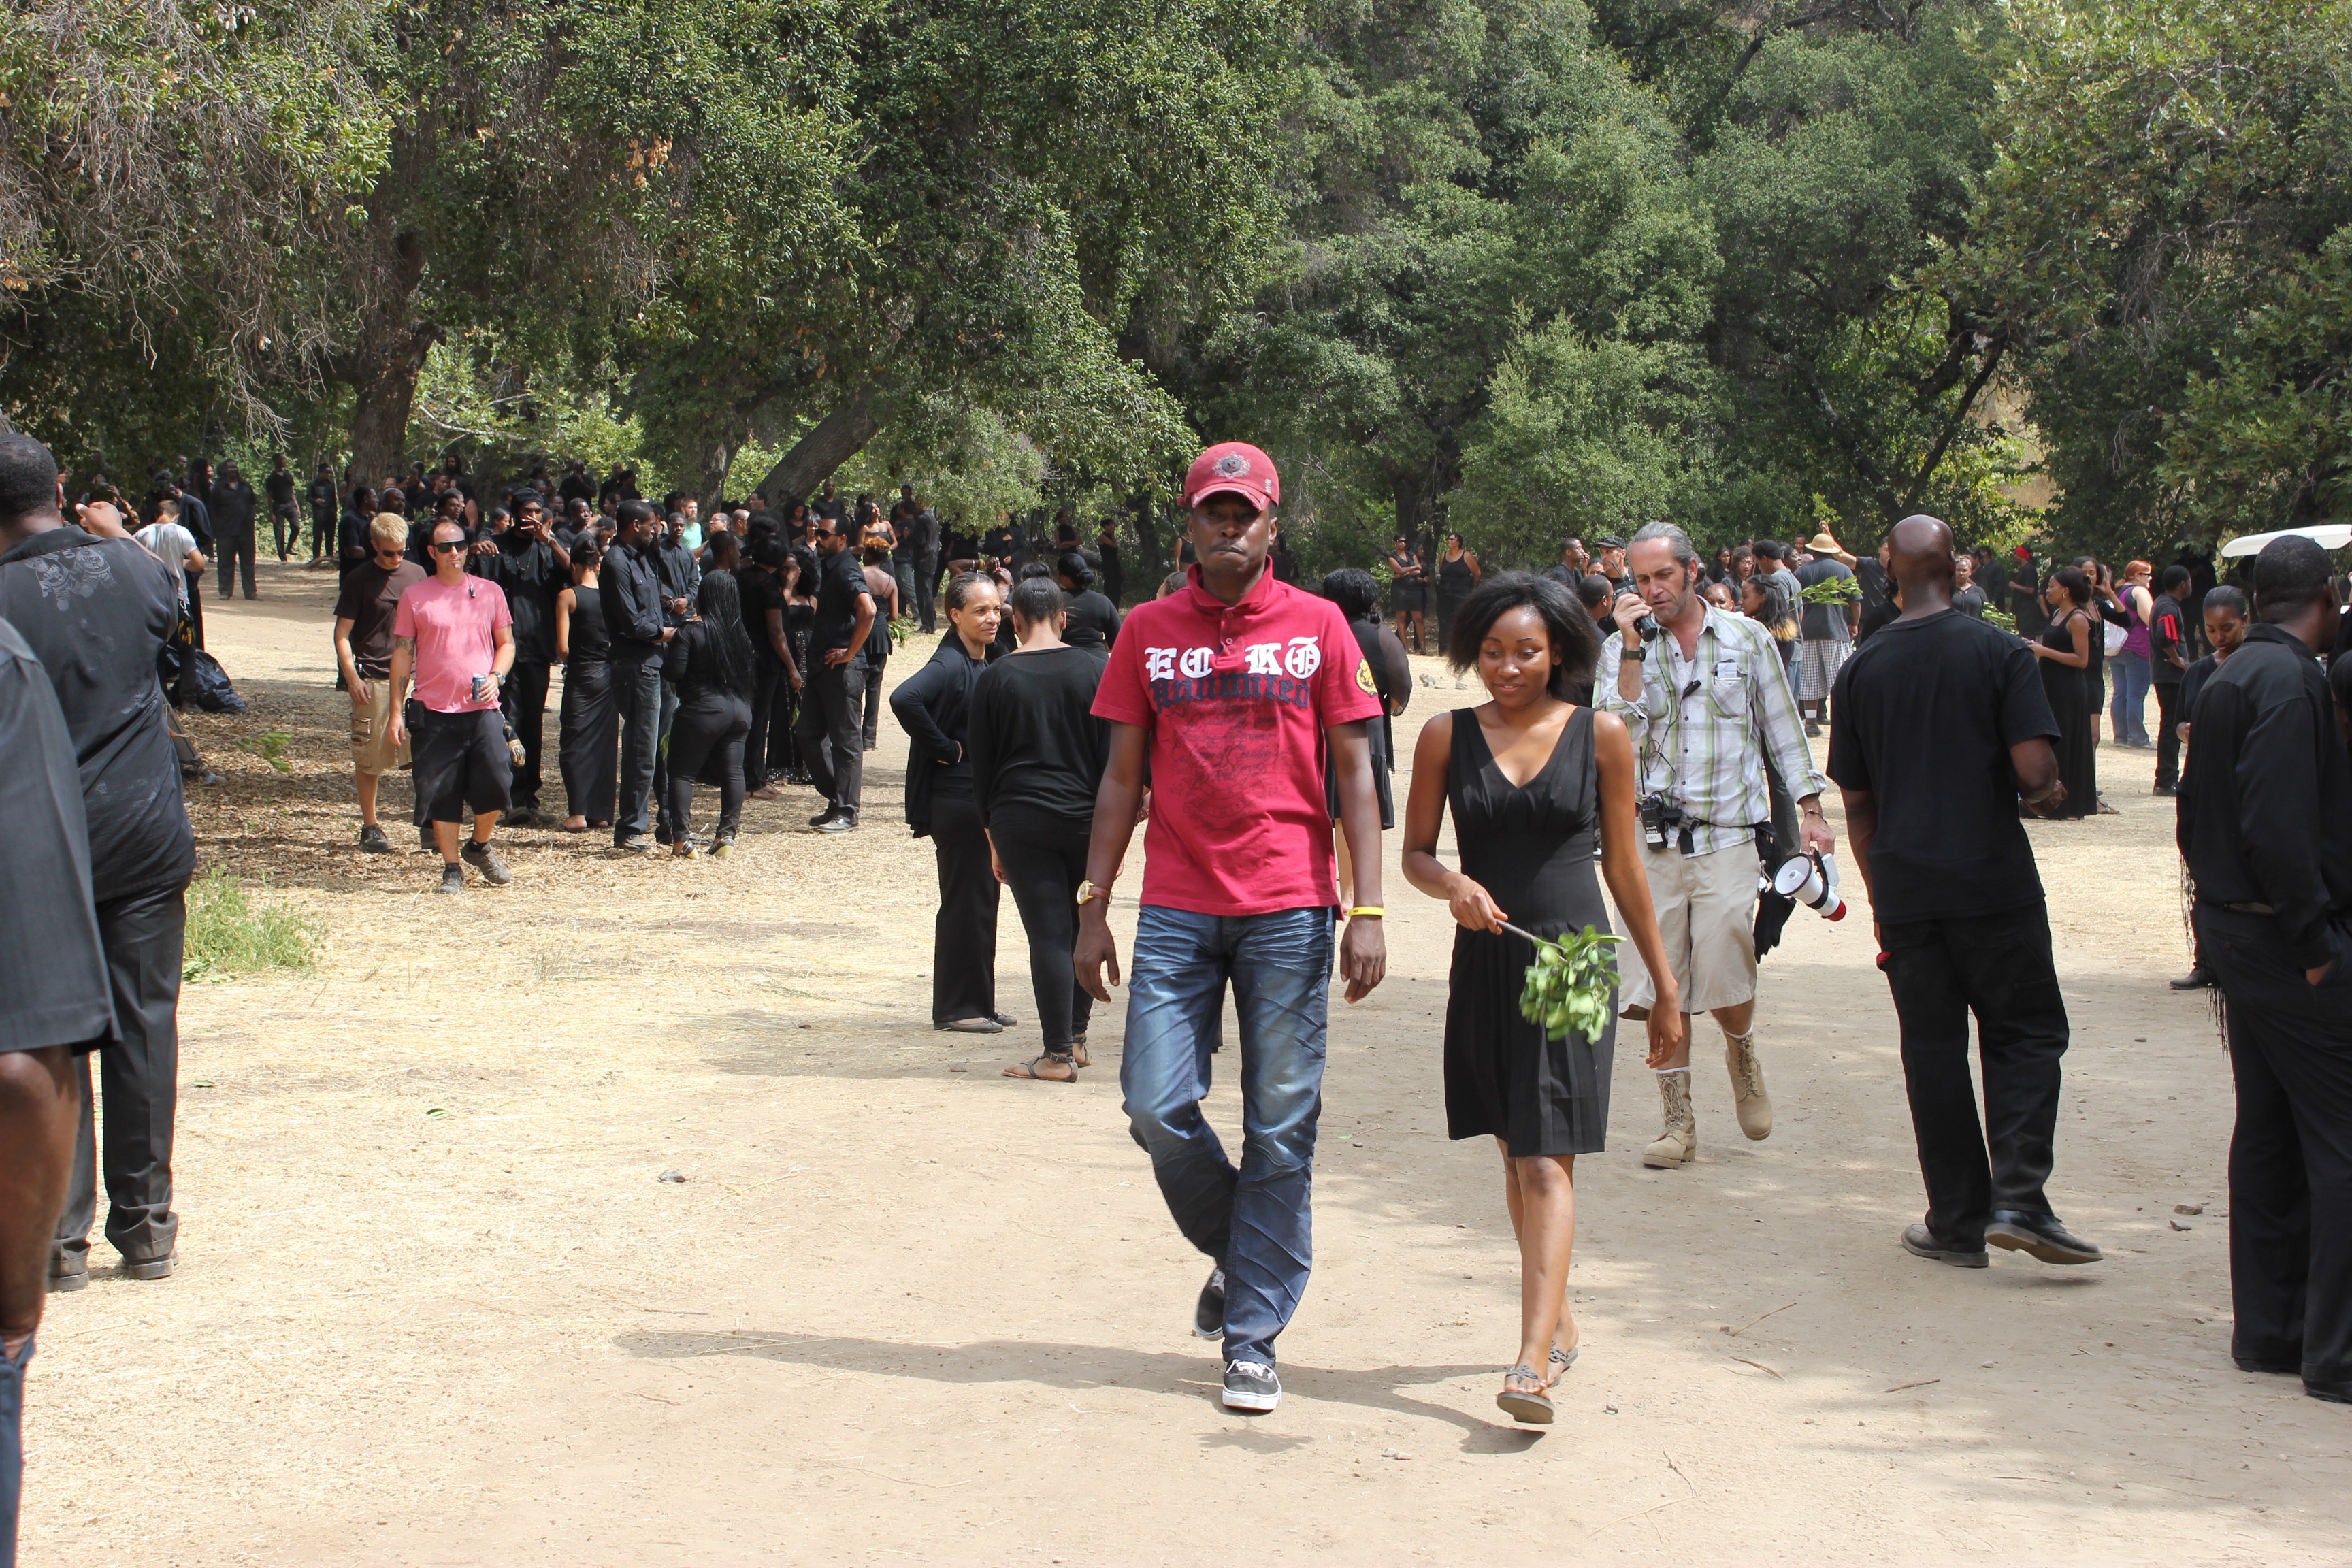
pixel 485 859
pixel 372 840
pixel 1679 1142
pixel 1749 1100
pixel 453 878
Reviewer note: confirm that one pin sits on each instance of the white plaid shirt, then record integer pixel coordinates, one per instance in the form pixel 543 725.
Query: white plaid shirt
pixel 1702 726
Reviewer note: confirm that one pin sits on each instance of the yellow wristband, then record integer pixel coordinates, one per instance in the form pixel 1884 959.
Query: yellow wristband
pixel 1373 910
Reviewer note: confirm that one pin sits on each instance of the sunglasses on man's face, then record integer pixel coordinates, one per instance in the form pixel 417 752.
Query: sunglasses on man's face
pixel 445 546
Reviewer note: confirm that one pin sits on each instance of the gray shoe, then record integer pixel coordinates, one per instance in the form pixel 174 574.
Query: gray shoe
pixel 151 1267
pixel 972 1026
pixel 1252 1386
pixel 635 843
pixel 485 859
pixel 453 878
pixel 372 840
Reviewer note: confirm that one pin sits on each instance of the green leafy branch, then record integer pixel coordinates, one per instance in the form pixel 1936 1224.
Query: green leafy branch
pixel 1568 985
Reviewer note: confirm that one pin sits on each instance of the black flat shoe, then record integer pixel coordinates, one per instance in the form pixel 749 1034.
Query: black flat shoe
pixel 2334 1393
pixel 2273 1368
pixel 2198 979
pixel 2039 1235
pixel 1921 1242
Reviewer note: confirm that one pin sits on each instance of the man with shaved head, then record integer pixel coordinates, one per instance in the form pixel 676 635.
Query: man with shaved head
pixel 1942 729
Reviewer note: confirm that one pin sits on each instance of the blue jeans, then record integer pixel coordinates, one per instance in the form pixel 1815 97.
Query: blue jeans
pixel 2129 707
pixel 1253 1221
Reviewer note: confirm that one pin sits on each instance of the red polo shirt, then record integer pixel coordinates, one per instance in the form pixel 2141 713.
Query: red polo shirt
pixel 1238 698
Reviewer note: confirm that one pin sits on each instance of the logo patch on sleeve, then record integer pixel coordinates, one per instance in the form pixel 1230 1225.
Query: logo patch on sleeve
pixel 1364 678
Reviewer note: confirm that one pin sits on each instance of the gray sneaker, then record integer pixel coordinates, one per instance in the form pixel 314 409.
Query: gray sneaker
pixel 1252 1386
pixel 635 843
pixel 453 878
pixel 372 840
pixel 485 859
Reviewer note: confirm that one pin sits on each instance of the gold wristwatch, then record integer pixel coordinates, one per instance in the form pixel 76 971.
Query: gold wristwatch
pixel 1088 893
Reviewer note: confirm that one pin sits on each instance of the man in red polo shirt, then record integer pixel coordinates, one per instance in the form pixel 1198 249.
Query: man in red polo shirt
pixel 1235 690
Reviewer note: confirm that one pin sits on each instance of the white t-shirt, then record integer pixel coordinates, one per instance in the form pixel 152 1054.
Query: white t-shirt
pixel 170 543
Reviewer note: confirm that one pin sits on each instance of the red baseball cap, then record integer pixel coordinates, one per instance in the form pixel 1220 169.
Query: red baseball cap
pixel 1237 467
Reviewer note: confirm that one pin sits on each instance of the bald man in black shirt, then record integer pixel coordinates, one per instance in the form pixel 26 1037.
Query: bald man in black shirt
pixel 96 611
pixel 2266 825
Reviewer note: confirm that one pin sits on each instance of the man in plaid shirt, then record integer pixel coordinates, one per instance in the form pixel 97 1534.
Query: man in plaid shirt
pixel 1707 701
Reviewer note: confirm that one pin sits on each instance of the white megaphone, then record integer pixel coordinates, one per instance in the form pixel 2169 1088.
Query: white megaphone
pixel 1812 879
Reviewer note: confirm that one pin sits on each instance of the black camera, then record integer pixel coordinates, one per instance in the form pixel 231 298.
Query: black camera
pixel 1662 818
pixel 1648 629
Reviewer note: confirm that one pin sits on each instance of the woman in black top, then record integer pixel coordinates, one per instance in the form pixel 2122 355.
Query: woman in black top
pixel 1457 572
pixel 1037 755
pixel 1090 621
pixel 2064 652
pixel 932 707
pixel 589 726
pixel 711 661
pixel 801 581
pixel 762 585
pixel 874 552
pixel 1107 551
pixel 1408 593
pixel 1530 776
pixel 1358 596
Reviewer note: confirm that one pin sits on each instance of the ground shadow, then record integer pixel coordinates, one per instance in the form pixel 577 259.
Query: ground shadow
pixel 1077 1368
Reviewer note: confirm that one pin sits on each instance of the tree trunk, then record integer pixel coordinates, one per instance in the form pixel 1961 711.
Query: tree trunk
pixel 839 437
pixel 383 366
pixel 1150 553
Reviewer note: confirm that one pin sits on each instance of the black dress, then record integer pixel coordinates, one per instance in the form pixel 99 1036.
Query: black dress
pixel 2068 692
pixel 1531 848
pixel 589 728
pixel 1455 580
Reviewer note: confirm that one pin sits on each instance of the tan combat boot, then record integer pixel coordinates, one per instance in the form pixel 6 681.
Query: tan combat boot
pixel 1679 1142
pixel 1747 1096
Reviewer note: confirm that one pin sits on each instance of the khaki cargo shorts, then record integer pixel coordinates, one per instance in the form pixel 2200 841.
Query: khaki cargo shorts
pixel 373 753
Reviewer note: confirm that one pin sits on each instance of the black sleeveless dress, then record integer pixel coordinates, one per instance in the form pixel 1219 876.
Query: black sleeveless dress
pixel 2069 691
pixel 1532 848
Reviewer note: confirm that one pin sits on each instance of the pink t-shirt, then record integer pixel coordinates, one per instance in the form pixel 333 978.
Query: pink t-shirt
pixel 454 629
pixel 1237 699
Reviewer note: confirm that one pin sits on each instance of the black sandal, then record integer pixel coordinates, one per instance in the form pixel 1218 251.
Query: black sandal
pixel 1059 1059
pixel 1078 1049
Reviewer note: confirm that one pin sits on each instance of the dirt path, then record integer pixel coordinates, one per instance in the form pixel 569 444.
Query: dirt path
pixel 435 1307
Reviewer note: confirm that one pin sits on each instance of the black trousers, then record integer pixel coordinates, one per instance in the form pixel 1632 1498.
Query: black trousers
pixel 1996 966
pixel 865 675
pixel 522 695
pixel 284 526
pixel 963 938
pixel 926 591
pixel 832 733
pixel 322 534
pixel 2167 740
pixel 1045 859
pixel 2291 1152
pixel 236 549
pixel 711 725
pixel 637 701
pixel 196 606
pixel 768 745
pixel 662 833
pixel 139 1077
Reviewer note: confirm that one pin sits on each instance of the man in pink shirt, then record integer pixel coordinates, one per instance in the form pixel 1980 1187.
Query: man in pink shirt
pixel 1236 689
pixel 454 634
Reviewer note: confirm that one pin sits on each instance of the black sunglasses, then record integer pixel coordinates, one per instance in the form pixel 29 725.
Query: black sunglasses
pixel 443 546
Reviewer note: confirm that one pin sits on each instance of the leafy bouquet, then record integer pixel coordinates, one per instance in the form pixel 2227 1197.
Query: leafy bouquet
pixel 1568 984
pixel 1830 591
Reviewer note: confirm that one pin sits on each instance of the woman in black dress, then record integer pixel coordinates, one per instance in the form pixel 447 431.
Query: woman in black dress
pixel 800 630
pixel 1408 593
pixel 589 727
pixel 2064 652
pixel 711 662
pixel 1457 572
pixel 1530 777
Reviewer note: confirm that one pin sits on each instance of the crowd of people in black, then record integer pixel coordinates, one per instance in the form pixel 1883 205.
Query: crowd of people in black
pixel 1649 710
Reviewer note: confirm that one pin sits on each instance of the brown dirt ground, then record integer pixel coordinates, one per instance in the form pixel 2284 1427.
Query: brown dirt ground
pixel 883 1320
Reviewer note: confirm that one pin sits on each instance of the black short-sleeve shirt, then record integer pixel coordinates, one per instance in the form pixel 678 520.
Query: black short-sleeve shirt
pixel 53 975
pixel 98 612
pixel 840 579
pixel 1927 711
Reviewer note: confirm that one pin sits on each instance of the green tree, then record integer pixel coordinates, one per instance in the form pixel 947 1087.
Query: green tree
pixel 2165 234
